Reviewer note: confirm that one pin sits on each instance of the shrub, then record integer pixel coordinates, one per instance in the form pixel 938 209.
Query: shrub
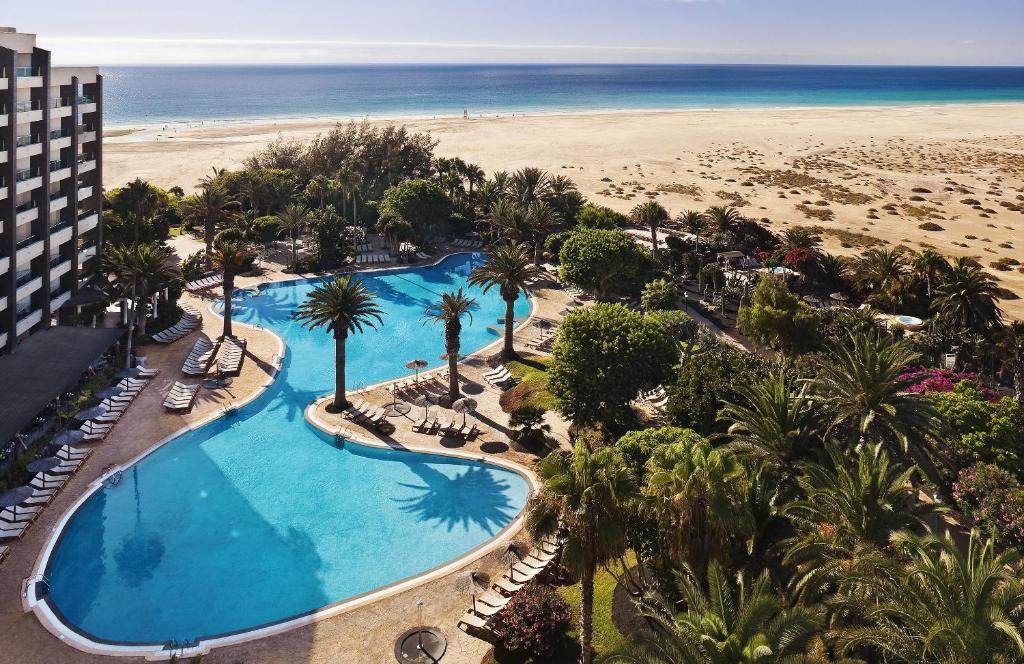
pixel 659 294
pixel 992 498
pixel 979 429
pixel 777 318
pixel 604 262
pixel 194 266
pixel 534 622
pixel 713 276
pixel 679 325
pixel 707 379
pixel 924 379
pixel 553 245
pixel 530 430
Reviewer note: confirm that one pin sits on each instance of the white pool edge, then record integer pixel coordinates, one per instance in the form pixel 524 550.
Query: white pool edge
pixel 39 605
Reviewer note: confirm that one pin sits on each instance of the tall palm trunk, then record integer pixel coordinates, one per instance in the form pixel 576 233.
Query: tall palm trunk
pixel 229 288
pixel 451 346
pixel 208 230
pixel 132 321
pixel 340 398
pixel 295 251
pixel 654 240
pixel 509 353
pixel 587 614
pixel 537 251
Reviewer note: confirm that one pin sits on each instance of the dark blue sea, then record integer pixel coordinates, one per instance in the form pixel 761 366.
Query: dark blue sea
pixel 189 93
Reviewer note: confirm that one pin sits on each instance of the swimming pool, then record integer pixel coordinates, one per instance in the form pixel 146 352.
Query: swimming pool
pixel 257 517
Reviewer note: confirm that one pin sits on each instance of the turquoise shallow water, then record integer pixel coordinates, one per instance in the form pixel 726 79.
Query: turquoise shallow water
pixel 257 517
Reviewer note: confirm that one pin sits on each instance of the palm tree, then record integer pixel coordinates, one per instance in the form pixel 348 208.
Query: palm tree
pixel 880 273
pixel 694 222
pixel 449 311
pixel 475 176
pixel 650 214
pixel 581 496
pixel 723 218
pixel 343 306
pixel 774 422
pixel 969 297
pixel 692 490
pixel 510 220
pixel 230 257
pixel 294 219
pixel 928 265
pixel 210 206
pixel 507 267
pixel 321 188
pixel 726 624
pixel 847 516
pixel 528 185
pixel 947 605
pixel 137 273
pixel 540 219
pixel 800 237
pixel 864 397
pixel 141 200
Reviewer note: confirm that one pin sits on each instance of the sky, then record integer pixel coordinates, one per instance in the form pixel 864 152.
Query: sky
pixel 910 32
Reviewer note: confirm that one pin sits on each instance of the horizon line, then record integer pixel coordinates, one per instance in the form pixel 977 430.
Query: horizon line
pixel 536 64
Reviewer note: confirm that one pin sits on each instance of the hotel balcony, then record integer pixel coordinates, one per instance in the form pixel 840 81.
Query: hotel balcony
pixel 29 146
pixel 59 140
pixel 5 264
pixel 28 111
pixel 60 233
pixel 86 164
pixel 25 213
pixel 28 77
pixel 59 267
pixel 85 254
pixel 61 108
pixel 58 201
pixel 86 104
pixel 3 193
pixel 27 180
pixel 59 171
pixel 86 133
pixel 84 193
pixel 88 222
pixel 29 249
pixel 28 320
pixel 3 154
pixel 30 285
pixel 4 115
pixel 58 298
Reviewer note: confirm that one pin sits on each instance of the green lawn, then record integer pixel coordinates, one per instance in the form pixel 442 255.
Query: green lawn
pixel 533 384
pixel 607 638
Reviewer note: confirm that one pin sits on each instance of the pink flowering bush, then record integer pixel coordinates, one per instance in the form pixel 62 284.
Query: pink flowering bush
pixel 534 622
pixel 924 379
pixel 992 498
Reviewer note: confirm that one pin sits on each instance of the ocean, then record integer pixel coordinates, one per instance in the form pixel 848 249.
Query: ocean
pixel 173 94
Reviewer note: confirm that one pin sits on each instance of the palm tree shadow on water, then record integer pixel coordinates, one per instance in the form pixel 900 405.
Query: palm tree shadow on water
pixel 471 497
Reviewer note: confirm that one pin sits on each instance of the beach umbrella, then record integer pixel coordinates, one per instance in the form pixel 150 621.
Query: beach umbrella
pixel 68 437
pixel 15 497
pixel 417 365
pixel 91 413
pixel 465 405
pixel 128 373
pixel 839 297
pixel 472 582
pixel 512 554
pixel 110 392
pixel 423 400
pixel 43 465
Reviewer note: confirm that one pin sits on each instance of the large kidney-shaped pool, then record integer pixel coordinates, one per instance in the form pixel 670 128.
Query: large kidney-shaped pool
pixel 258 518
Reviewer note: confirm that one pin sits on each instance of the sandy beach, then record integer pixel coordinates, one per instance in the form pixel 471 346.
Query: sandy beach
pixel 949 177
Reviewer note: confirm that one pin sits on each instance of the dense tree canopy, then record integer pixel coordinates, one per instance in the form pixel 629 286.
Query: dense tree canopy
pixel 603 262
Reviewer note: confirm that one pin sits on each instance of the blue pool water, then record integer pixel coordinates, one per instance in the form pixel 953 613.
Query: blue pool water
pixel 258 517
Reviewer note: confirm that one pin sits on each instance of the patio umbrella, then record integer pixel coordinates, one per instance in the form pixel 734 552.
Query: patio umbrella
pixel 68 437
pixel 811 298
pixel 417 365
pixel 43 465
pixel 472 582
pixel 128 373
pixel 424 401
pixel 511 555
pixel 15 497
pixel 109 392
pixel 91 413
pixel 839 297
pixel 465 405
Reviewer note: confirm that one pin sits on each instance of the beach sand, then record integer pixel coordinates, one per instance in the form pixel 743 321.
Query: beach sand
pixel 877 173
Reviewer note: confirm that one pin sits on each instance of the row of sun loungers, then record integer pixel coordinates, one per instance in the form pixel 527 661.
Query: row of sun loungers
pixel 446 426
pixel 15 521
pixel 198 361
pixel 189 321
pixel 500 378
pixel 364 247
pixel 366 413
pixel 657 398
pixel 181 397
pixel 232 353
pixel 543 343
pixel 491 603
pixel 96 429
pixel 467 244
pixel 373 258
pixel 204 283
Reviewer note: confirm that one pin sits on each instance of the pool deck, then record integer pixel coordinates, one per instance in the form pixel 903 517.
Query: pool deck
pixel 364 634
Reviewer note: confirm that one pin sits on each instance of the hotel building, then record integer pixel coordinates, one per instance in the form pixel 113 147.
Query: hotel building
pixel 51 196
